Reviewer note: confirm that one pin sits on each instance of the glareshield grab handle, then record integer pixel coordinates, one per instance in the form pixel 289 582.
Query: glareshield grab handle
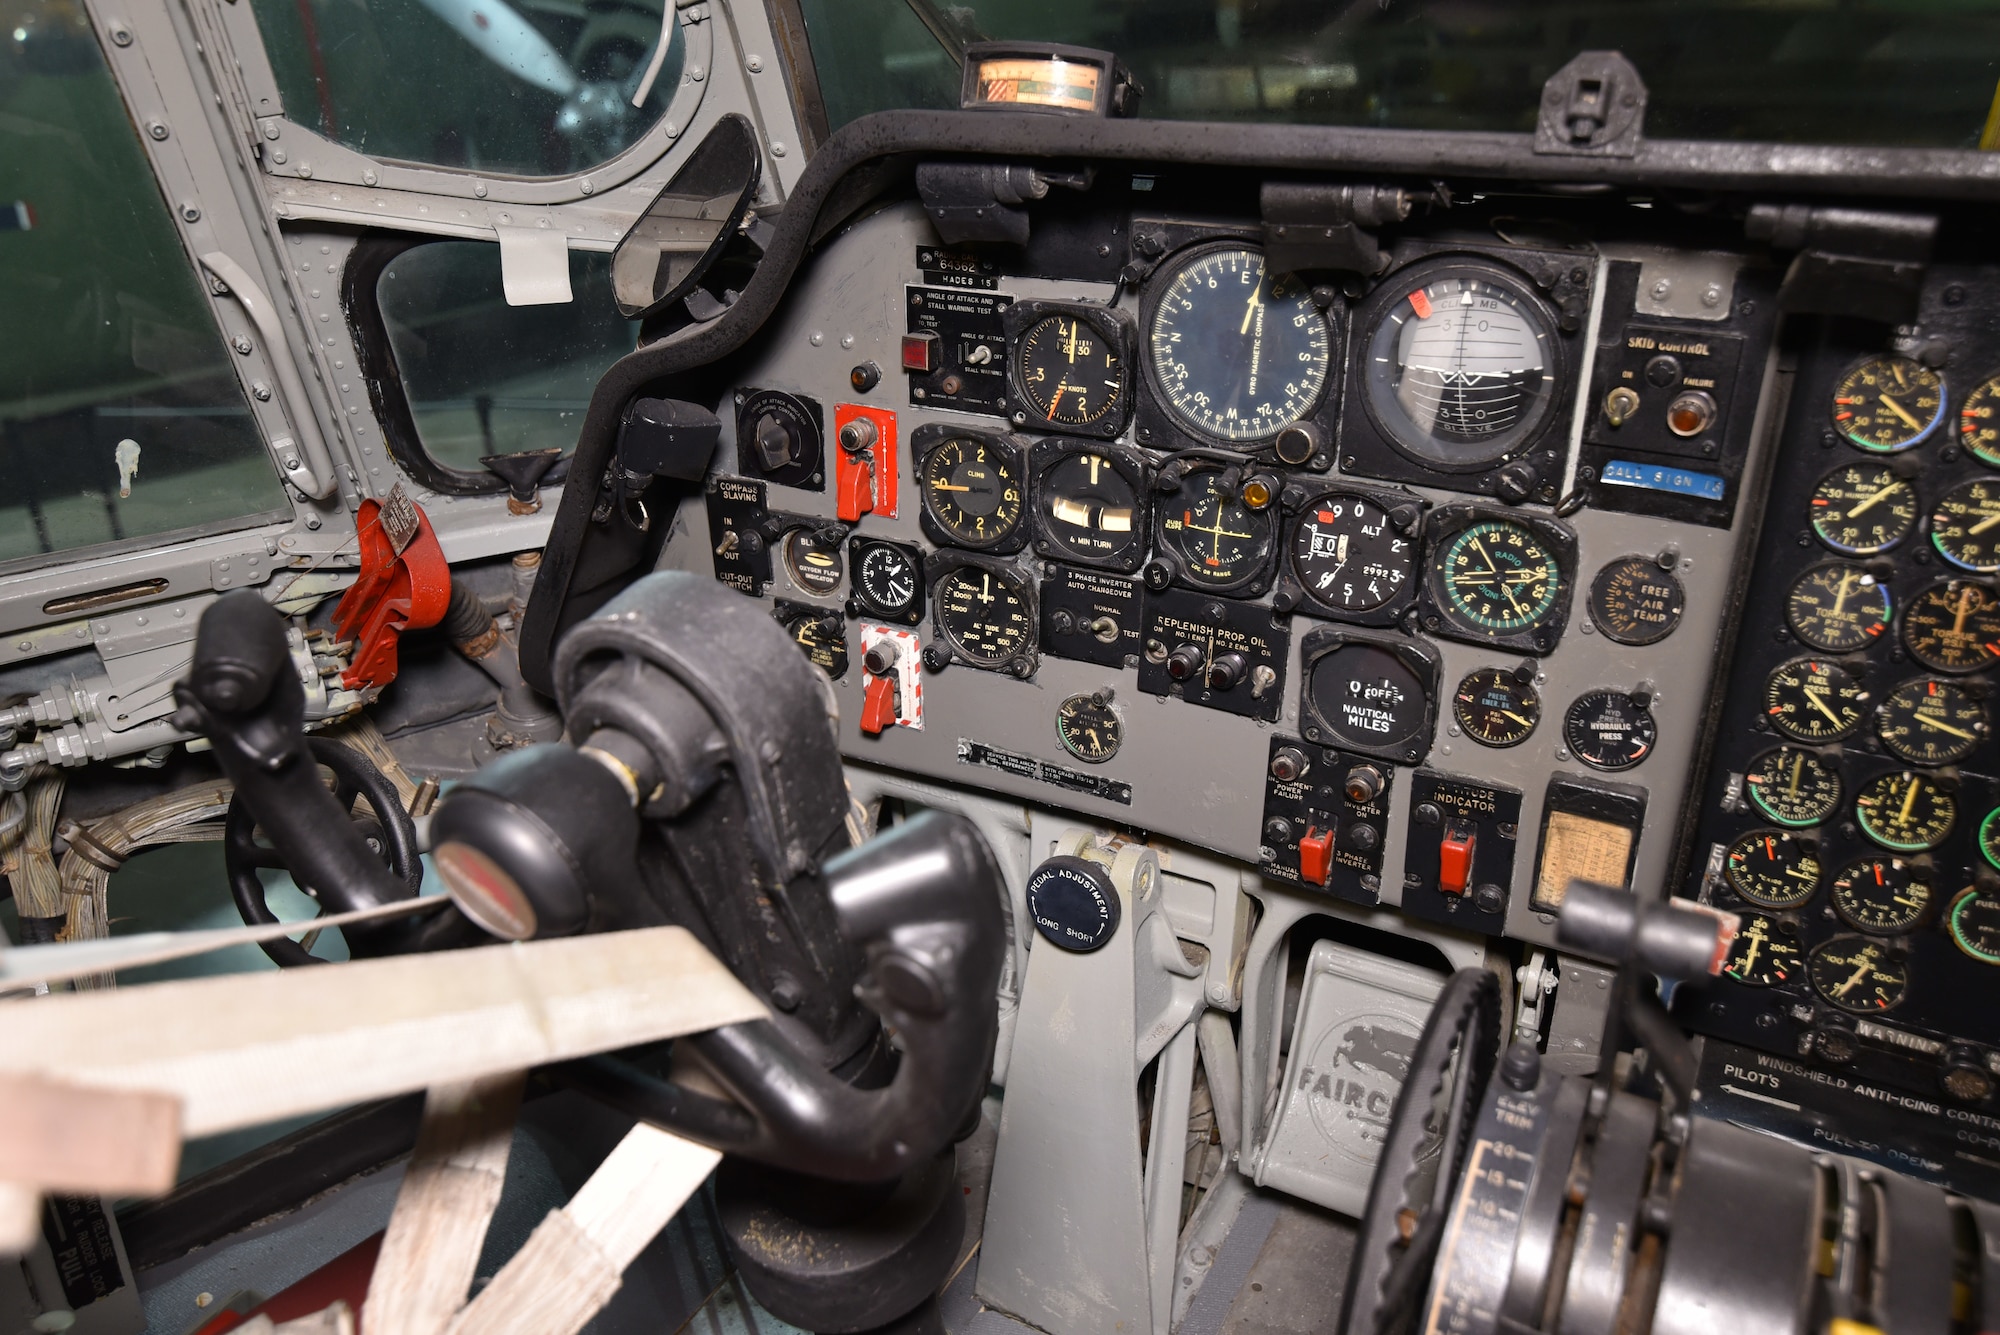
pixel 310 466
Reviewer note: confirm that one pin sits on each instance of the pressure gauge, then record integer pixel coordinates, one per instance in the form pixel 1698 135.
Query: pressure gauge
pixel 1610 730
pixel 1793 786
pixel 1953 626
pixel 1838 608
pixel 1497 706
pixel 1887 404
pixel 1813 700
pixel 1906 812
pixel 1857 974
pixel 1931 722
pixel 1764 954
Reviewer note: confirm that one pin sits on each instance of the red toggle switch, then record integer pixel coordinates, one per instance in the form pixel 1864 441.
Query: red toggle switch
pixel 1315 855
pixel 878 707
pixel 856 495
pixel 1455 858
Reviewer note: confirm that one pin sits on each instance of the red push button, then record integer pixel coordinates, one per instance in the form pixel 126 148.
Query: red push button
pixel 1455 858
pixel 1315 855
pixel 920 353
pixel 878 707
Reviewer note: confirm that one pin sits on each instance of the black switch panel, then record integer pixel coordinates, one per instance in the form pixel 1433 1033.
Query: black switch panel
pixel 1311 792
pixel 1447 812
pixel 1213 652
pixel 1091 616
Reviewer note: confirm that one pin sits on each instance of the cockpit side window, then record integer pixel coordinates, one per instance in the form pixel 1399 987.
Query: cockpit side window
pixel 514 87
pixel 459 374
pixel 121 413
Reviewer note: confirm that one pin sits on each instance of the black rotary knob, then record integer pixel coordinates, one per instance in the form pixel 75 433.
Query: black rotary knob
pixel 1074 903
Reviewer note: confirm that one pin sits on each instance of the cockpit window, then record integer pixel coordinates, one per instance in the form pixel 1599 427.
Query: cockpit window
pixel 1912 73
pixel 121 415
pixel 523 87
pixel 482 377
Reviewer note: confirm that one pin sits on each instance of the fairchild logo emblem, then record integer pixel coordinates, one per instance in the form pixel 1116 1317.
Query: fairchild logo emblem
pixel 1352 1079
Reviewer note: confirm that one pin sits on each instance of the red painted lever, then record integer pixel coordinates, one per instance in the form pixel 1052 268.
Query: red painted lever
pixel 1455 858
pixel 1316 855
pixel 878 708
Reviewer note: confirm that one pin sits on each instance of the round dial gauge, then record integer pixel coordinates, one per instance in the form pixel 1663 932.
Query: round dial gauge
pixel 1496 578
pixel 1931 722
pixel 1772 869
pixel 1348 556
pixel 1609 730
pixel 886 580
pixel 814 566
pixel 1979 422
pixel 1237 354
pixel 1861 509
pixel 1953 626
pixel 822 636
pixel 1368 699
pixel 983 614
pixel 1633 601
pixel 1090 510
pixel 1220 541
pixel 1089 728
pixel 1764 954
pixel 1974 923
pixel 1793 786
pixel 1461 365
pixel 1497 706
pixel 1838 608
pixel 1857 974
pixel 1965 526
pixel 1880 895
pixel 1812 700
pixel 1069 372
pixel 1905 813
pixel 1989 838
pixel 1888 403
pixel 972 491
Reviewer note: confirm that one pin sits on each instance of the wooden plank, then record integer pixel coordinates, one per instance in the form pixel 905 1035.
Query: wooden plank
pixel 447 1199
pixel 575 1260
pixel 87 1142
pixel 244 1049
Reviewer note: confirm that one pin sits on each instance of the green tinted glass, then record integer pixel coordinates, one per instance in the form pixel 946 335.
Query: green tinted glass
pixel 120 412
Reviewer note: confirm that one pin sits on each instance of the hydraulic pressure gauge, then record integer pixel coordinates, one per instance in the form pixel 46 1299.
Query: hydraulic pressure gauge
pixel 1887 404
pixel 1965 526
pixel 888 580
pixel 1220 540
pixel 1953 626
pixel 1634 601
pixel 1497 578
pixel 1764 954
pixel 1979 422
pixel 1348 555
pixel 1793 786
pixel 1610 730
pixel 1812 700
pixel 1838 608
pixel 1070 370
pixel 1857 974
pixel 1237 355
pixel 1905 813
pixel 1931 722
pixel 1974 923
pixel 1089 728
pixel 972 489
pixel 1497 706
pixel 1090 504
pixel 1860 509
pixel 1880 895
pixel 1772 869
pixel 984 615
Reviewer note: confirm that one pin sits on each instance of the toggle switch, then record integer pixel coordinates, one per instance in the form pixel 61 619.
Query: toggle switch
pixel 1455 857
pixel 878 706
pixel 1316 855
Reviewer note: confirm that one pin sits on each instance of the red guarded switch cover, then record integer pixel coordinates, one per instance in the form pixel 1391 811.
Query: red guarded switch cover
pixel 878 708
pixel 1316 855
pixel 1455 858
pixel 865 481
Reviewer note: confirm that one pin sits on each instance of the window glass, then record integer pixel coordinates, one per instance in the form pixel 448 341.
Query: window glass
pixel 1917 73
pixel 483 377
pixel 523 87
pixel 120 412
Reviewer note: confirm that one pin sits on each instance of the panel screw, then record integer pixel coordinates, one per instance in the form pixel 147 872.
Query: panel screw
pixel 479 189
pixel 241 344
pixel 369 177
pixel 261 392
pixel 777 148
pixel 189 213
pixel 120 34
pixel 754 63
pixel 588 187
pixel 156 128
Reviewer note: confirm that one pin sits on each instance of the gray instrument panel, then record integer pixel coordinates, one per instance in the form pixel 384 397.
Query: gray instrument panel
pixel 1195 773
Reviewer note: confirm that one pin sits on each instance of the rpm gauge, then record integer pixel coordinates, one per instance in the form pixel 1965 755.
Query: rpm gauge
pixel 1862 509
pixel 1965 527
pixel 1857 974
pixel 1461 364
pixel 984 615
pixel 1348 556
pixel 1221 542
pixel 1979 422
pixel 1887 404
pixel 1953 626
pixel 1793 786
pixel 1237 354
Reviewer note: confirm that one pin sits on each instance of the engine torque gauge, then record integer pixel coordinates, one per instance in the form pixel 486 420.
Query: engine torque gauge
pixel 1880 895
pixel 1860 509
pixel 1857 974
pixel 1838 608
pixel 1905 813
pixel 1812 700
pixel 986 616
pixel 1974 924
pixel 887 581
pixel 1497 706
pixel 1965 526
pixel 1764 953
pixel 1089 728
pixel 1236 354
pixel 1887 404
pixel 1070 371
pixel 1610 730
pixel 1090 504
pixel 1496 578
pixel 1634 601
pixel 972 489
pixel 1953 626
pixel 1931 722
pixel 1793 786
pixel 1220 542
pixel 1979 422
pixel 1348 555
pixel 1772 869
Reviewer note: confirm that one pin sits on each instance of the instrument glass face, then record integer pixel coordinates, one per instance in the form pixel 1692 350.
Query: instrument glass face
pixel 1858 974
pixel 886 580
pixel 1368 698
pixel 1496 578
pixel 1237 354
pixel 1069 372
pixel 1931 722
pixel 1906 812
pixel 983 615
pixel 1838 608
pixel 1953 626
pixel 1979 422
pixel 1634 601
pixel 1887 404
pixel 1609 730
pixel 1965 526
pixel 1090 510
pixel 1793 787
pixel 1812 700
pixel 1974 924
pixel 1089 728
pixel 1495 707
pixel 1880 895
pixel 1764 953
pixel 1220 541
pixel 814 566
pixel 1860 509
pixel 972 491
pixel 1772 869
pixel 1347 555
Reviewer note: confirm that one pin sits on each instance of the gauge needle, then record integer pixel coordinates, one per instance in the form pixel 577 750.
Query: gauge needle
pixel 1798 768
pixel 986 588
pixel 1909 803
pixel 1508 713
pixel 1871 502
pixel 1946 727
pixel 1985 523
pixel 947 486
pixel 1840 594
pixel 1866 967
pixel 1756 939
pixel 1964 610
pixel 1249 312
pixel 1900 411
pixel 1062 388
pixel 1817 699
pixel 1069 344
pixel 1485 556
